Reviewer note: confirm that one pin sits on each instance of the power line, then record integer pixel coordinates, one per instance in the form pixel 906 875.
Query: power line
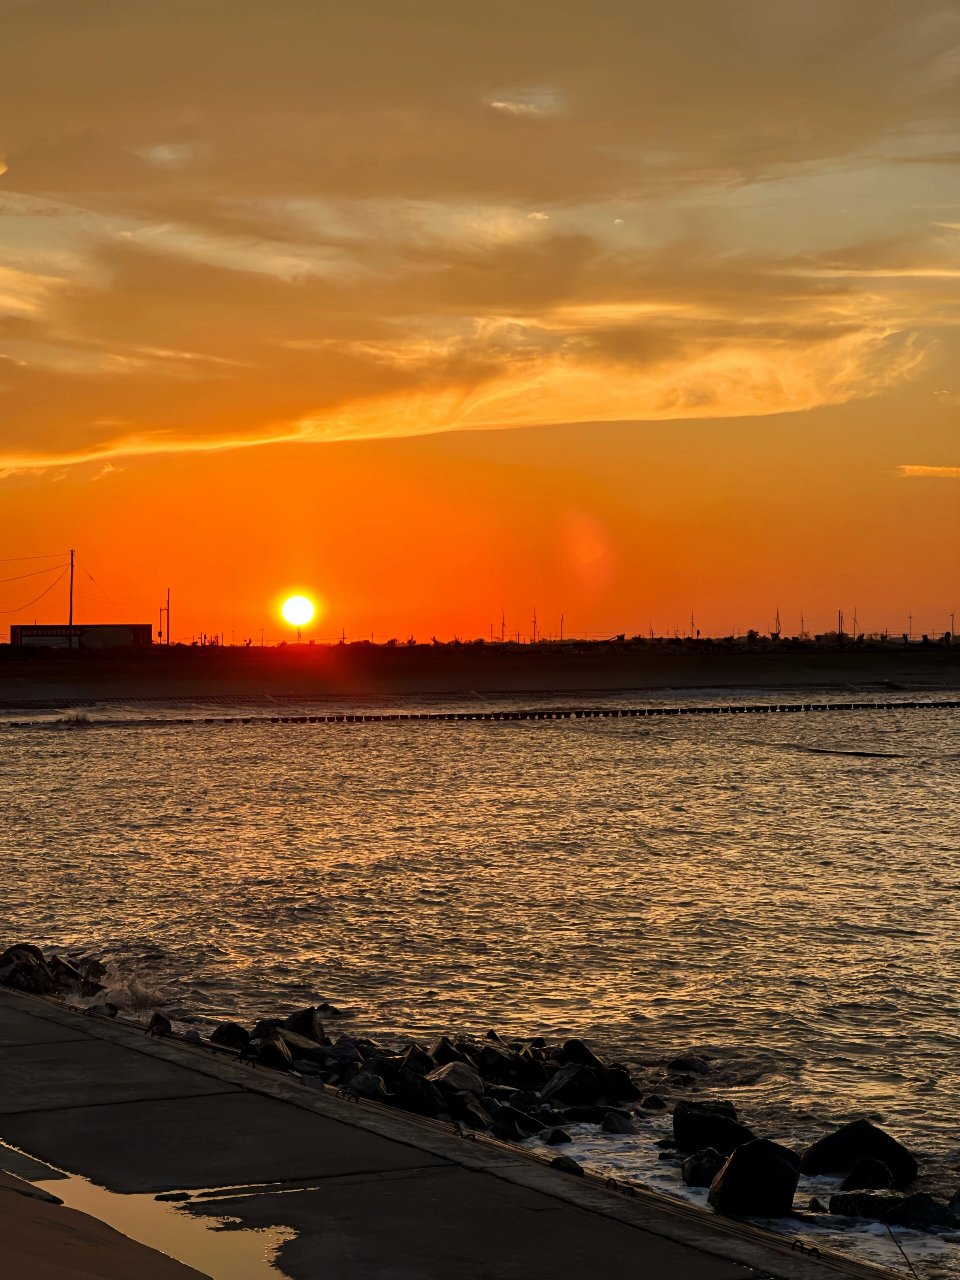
pixel 54 555
pixel 35 599
pixel 35 574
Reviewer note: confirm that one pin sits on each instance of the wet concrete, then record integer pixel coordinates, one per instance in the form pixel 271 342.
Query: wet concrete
pixel 367 1191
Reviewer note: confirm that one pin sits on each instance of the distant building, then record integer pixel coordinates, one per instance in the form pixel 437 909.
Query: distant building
pixel 91 635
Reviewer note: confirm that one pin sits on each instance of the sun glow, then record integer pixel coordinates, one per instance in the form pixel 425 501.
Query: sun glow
pixel 297 611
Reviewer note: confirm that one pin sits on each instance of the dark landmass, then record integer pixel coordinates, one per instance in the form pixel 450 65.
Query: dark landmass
pixel 29 677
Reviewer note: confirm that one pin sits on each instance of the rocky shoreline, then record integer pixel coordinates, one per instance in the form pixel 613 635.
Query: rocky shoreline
pixel 513 1090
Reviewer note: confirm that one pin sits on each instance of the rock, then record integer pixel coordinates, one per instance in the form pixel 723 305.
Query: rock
pixel 193 1036
pixel 653 1102
pixel 838 1152
pixel 369 1085
pixel 920 1212
pixel 572 1083
pixel 469 1108
pixel 23 968
pixel 566 1165
pixel 708 1124
pixel 700 1169
pixel 492 1035
pixel 303 1046
pixel 584 1115
pixel 557 1137
pixel 497 1064
pixel 580 1053
pixel 442 1051
pixel 414 1092
pixel 159 1025
pixel 617 1085
pixel 868 1174
pixel 65 974
pixel 506 1129
pixel 865 1204
pixel 272 1052
pixel 306 1022
pixel 416 1058
pixel 613 1122
pixel 550 1116
pixel 817 1206
pixel 759 1180
pixel 456 1076
pixel 531 1071
pixel 232 1036
pixel 690 1063
pixel 512 1115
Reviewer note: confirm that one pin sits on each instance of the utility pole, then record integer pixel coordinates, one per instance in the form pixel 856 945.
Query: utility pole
pixel 503 624
pixel 168 617
pixel 561 627
pixel 534 637
pixel 909 626
pixel 70 618
pixel 840 624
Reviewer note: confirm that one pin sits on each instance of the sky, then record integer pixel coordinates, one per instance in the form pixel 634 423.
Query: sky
pixel 447 311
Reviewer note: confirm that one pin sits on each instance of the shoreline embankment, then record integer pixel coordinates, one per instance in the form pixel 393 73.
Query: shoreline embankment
pixel 29 677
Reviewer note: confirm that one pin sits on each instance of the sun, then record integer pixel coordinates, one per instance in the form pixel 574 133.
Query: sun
pixel 297 610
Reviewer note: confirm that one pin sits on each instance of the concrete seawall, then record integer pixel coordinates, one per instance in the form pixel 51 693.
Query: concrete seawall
pixel 367 1191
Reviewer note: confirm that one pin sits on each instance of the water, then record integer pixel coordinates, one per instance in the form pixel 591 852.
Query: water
pixel 740 885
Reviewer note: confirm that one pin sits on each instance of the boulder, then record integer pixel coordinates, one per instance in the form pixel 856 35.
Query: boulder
pixel 920 1212
pixel 414 1092
pixel 231 1036
pixel 653 1102
pixel 566 1165
pixel 24 969
pixel 442 1051
pixel 531 1071
pixel 584 1115
pixel 865 1204
pixel 617 1085
pixel 614 1122
pixel 700 1169
pixel 557 1138
pixel 468 1108
pixel 759 1180
pixel 159 1025
pixel 416 1058
pixel 303 1046
pixel 512 1115
pixel 580 1053
pixel 367 1084
pixel 497 1064
pixel 690 1064
pixel 456 1076
pixel 272 1052
pixel 65 974
pixel 868 1175
pixel 492 1035
pixel 572 1083
pixel 306 1022
pixel 708 1124
pixel 839 1151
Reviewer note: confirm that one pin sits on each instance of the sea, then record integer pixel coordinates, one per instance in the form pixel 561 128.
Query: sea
pixel 778 893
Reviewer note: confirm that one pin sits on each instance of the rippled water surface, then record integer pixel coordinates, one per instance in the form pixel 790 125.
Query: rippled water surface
pixel 740 883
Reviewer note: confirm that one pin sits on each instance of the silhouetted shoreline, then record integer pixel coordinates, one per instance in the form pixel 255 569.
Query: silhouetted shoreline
pixel 31 676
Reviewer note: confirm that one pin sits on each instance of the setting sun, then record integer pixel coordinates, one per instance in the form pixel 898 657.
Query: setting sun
pixel 297 610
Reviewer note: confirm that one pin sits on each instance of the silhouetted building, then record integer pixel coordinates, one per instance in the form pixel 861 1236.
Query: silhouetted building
pixel 90 635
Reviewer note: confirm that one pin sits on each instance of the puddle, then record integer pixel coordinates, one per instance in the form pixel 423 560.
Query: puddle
pixel 216 1247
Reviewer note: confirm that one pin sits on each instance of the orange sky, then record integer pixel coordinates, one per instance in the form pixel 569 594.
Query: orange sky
pixel 617 311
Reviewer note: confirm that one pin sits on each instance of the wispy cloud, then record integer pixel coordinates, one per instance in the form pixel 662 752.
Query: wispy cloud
pixel 913 471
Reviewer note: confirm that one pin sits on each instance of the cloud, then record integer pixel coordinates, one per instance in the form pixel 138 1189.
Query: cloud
pixel 914 472
pixel 222 226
